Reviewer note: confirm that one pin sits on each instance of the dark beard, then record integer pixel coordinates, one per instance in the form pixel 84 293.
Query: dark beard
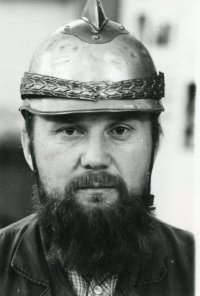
pixel 110 239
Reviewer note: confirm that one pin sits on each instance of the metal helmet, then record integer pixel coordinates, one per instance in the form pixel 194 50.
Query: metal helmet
pixel 92 65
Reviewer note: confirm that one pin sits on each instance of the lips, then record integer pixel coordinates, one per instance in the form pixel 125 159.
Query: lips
pixel 96 185
pixel 96 190
pixel 96 195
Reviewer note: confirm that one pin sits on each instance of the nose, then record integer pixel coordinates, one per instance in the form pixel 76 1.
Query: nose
pixel 96 155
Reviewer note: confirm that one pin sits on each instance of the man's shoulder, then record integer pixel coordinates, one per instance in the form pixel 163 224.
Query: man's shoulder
pixel 17 226
pixel 10 238
pixel 176 233
pixel 11 234
pixel 177 241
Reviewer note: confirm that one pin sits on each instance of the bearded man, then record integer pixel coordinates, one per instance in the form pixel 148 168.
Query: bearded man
pixel 91 104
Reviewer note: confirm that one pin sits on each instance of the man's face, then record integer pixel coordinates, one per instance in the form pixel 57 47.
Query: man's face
pixel 93 176
pixel 68 146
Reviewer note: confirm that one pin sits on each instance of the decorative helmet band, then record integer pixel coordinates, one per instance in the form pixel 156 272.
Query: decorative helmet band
pixel 90 65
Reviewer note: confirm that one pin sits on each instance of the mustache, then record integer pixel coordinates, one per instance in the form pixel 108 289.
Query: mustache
pixel 95 180
pixel 90 179
pixel 83 181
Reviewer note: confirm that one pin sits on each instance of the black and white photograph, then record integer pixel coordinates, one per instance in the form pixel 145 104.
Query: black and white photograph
pixel 99 148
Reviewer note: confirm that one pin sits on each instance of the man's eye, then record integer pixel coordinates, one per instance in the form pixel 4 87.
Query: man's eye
pixel 71 131
pixel 120 130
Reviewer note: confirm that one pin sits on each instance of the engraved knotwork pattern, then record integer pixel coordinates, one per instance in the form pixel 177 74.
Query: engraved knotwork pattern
pixel 41 85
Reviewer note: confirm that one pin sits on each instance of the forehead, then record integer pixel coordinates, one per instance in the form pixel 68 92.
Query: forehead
pixel 91 118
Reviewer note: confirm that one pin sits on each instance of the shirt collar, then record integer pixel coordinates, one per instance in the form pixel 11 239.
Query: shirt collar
pixel 105 283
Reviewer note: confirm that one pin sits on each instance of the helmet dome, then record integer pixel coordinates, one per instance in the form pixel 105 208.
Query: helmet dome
pixel 92 64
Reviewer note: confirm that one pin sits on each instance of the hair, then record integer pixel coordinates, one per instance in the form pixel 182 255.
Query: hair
pixel 157 132
pixel 29 123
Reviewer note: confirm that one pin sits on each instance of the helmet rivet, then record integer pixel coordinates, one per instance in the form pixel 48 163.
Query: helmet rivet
pixel 121 28
pixel 96 37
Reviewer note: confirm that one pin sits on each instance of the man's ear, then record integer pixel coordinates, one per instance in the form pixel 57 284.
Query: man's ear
pixel 26 147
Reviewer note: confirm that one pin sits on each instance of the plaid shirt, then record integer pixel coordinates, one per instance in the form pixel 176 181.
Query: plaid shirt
pixel 98 285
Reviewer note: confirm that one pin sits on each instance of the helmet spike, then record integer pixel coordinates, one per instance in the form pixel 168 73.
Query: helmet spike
pixel 94 14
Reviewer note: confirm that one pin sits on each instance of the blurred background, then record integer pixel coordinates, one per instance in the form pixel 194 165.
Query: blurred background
pixel 167 29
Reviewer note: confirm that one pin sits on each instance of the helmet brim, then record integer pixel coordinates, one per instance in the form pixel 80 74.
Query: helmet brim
pixel 56 106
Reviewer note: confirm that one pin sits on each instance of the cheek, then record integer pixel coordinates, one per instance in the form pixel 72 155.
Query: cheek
pixel 55 164
pixel 134 162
